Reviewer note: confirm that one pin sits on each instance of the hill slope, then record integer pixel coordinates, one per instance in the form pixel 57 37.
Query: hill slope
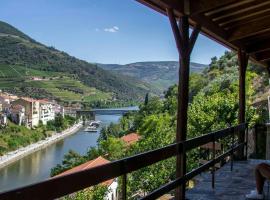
pixel 160 75
pixel 18 50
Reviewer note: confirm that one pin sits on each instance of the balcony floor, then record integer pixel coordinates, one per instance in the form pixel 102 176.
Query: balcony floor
pixel 229 185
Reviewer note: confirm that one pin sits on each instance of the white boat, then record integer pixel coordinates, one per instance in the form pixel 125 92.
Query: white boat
pixel 93 126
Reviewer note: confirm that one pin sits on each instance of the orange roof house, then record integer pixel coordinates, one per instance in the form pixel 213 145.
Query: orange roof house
pixel 131 138
pixel 88 165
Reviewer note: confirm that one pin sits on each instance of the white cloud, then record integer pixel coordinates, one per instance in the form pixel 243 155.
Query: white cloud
pixel 114 29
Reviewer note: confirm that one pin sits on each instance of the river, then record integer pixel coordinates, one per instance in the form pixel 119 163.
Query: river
pixel 36 166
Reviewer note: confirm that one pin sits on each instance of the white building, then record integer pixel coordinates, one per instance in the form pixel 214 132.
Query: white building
pixel 46 111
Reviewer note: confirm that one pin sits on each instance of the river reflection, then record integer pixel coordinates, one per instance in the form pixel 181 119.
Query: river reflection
pixel 36 167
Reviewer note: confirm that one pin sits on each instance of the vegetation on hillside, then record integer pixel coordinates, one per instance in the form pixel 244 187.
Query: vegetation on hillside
pixel 213 106
pixel 20 51
pixel 13 137
pixel 160 75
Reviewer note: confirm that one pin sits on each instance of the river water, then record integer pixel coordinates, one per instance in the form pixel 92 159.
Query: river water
pixel 36 166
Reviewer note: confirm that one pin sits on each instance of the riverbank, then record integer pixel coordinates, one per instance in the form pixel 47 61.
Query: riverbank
pixel 24 151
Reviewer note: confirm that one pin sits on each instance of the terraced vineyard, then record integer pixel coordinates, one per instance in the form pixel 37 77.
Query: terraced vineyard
pixel 56 85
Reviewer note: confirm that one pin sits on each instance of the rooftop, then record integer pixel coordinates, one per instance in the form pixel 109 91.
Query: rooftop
pixel 88 165
pixel 131 138
pixel 228 184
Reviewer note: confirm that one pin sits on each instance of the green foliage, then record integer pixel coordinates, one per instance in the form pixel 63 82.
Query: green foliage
pixel 93 193
pixel 13 137
pixel 71 159
pixel 60 123
pixel 112 148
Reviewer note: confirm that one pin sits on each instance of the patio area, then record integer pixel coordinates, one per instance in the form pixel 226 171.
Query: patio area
pixel 229 185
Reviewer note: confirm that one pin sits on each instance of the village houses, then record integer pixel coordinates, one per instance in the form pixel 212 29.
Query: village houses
pixel 27 111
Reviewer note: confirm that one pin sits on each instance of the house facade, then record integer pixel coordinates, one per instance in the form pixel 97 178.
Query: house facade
pixel 31 110
pixel 46 111
pixel 17 114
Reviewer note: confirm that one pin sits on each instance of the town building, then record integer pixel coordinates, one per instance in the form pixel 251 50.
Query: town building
pixel 131 138
pixel 17 114
pixel 3 119
pixel 111 184
pixel 46 111
pixel 58 109
pixel 31 110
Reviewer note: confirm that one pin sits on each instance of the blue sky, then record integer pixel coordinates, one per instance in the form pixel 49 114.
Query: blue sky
pixel 104 31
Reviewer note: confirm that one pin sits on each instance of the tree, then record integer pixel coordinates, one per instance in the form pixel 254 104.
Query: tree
pixel 146 99
pixel 113 148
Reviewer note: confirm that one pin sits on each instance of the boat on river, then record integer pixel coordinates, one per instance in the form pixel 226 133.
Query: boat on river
pixel 93 126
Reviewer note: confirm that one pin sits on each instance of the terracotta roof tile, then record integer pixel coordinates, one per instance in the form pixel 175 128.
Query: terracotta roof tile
pixel 131 138
pixel 88 165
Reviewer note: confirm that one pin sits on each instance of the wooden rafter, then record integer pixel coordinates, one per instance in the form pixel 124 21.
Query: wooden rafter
pixel 258 46
pixel 245 20
pixel 263 56
pixel 245 7
pixel 200 6
pixel 251 29
pixel 243 14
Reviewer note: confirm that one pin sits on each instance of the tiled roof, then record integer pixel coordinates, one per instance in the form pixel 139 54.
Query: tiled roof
pixel 44 101
pixel 131 138
pixel 28 99
pixel 88 165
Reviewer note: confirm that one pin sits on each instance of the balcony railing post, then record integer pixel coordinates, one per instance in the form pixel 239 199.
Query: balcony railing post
pixel 214 157
pixel 246 143
pixel 232 148
pixel 124 187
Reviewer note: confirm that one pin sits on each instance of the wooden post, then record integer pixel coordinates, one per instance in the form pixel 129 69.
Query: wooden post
pixel 184 45
pixel 243 61
pixel 124 187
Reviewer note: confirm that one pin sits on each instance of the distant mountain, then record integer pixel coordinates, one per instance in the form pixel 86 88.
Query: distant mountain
pixel 160 74
pixel 19 51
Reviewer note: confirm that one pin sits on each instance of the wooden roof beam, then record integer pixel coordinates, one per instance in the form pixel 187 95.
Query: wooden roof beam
pixel 176 5
pixel 253 28
pixel 243 16
pixel 200 6
pixel 258 46
pixel 263 56
pixel 251 18
pixel 243 8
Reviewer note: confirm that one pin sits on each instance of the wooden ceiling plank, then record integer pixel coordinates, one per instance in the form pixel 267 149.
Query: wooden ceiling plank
pixel 226 7
pixel 250 29
pixel 201 6
pixel 263 56
pixel 235 24
pixel 243 8
pixel 244 14
pixel 258 46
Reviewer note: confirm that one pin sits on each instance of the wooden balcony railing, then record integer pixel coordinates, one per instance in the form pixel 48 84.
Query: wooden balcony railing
pixel 60 186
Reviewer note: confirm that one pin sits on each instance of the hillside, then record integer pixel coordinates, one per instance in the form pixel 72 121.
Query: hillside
pixel 21 58
pixel 160 75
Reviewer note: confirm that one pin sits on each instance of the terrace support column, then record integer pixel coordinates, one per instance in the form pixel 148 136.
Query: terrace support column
pixel 243 62
pixel 267 149
pixel 184 45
